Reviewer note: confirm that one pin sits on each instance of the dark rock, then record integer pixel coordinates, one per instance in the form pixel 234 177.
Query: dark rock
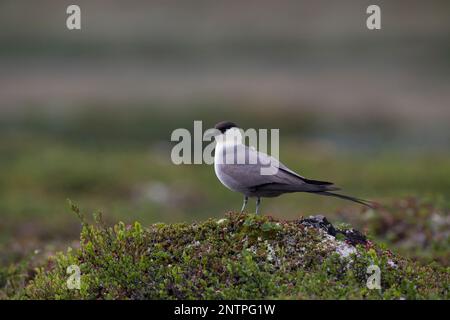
pixel 319 222
pixel 352 236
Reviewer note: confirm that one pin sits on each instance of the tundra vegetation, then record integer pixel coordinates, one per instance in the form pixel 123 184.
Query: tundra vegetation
pixel 116 163
pixel 88 115
pixel 241 256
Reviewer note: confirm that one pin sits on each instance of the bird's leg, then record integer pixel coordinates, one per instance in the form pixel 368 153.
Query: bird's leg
pixel 258 201
pixel 245 203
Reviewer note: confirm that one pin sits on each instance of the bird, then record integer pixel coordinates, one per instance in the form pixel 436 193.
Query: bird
pixel 246 176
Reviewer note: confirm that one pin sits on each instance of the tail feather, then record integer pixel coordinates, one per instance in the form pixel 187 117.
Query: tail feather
pixel 343 196
pixel 317 182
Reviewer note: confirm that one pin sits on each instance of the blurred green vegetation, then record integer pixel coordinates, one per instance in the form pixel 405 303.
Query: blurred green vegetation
pixel 118 161
pixel 88 116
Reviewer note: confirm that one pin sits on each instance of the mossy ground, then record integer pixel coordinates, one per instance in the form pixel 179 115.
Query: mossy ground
pixel 242 256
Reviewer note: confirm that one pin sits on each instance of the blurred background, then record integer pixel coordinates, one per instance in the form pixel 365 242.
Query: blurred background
pixel 87 115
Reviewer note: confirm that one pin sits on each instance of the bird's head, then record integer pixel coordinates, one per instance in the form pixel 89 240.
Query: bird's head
pixel 224 126
pixel 226 131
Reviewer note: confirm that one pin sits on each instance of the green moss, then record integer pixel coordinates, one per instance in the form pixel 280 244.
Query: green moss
pixel 240 257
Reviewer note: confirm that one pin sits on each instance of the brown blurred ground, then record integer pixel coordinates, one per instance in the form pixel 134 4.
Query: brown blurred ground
pixel 313 55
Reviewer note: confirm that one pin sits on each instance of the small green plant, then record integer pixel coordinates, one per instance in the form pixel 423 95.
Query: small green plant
pixel 240 257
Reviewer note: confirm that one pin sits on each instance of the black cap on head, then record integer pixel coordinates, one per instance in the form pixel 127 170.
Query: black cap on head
pixel 224 126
